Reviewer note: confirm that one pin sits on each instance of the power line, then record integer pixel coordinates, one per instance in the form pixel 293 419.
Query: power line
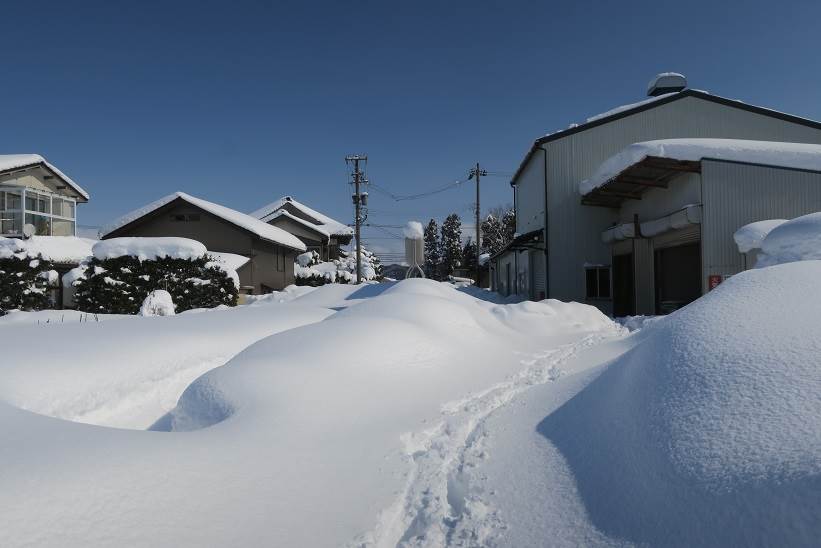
pixel 402 198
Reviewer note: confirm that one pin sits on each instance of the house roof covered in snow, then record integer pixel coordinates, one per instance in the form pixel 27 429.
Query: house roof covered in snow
pixel 246 222
pixel 314 217
pixel 12 162
pixel 654 102
pixel 652 163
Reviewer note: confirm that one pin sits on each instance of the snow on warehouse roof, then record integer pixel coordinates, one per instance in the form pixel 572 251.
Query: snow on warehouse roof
pixel 329 225
pixel 750 236
pixel 57 249
pixel 790 155
pixel 246 222
pixel 9 162
pixel 149 248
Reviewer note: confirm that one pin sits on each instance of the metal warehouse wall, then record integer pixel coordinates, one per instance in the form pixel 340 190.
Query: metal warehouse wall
pixel 737 194
pixel 574 230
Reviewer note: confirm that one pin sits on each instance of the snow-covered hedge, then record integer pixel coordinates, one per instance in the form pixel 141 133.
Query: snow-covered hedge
pixel 25 277
pixel 309 270
pixel 119 285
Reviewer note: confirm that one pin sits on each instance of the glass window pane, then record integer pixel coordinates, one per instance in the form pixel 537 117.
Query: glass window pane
pixel 43 204
pixel 60 227
pixel 13 198
pixel 11 223
pixel 42 224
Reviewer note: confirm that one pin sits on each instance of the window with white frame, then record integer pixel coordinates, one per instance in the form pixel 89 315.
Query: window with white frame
pixel 49 214
pixel 597 282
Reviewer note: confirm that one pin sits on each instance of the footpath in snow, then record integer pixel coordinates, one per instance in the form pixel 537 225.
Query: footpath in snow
pixel 419 414
pixel 303 438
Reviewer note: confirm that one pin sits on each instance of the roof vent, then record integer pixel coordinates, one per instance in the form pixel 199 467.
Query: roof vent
pixel 288 199
pixel 666 82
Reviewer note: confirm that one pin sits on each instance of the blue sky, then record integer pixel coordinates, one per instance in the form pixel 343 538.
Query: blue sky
pixel 242 102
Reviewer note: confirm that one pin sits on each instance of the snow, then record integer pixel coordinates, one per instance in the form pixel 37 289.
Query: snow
pixel 318 419
pixel 158 303
pixel 795 240
pixel 750 236
pixel 714 413
pixel 15 161
pixel 630 106
pixel 247 222
pixel 325 223
pixel 420 414
pixel 790 155
pixel 413 230
pixel 667 80
pixel 228 261
pixel 149 248
pixel 58 249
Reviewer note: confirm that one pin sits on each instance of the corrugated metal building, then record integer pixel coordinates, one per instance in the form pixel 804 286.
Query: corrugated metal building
pixel 579 264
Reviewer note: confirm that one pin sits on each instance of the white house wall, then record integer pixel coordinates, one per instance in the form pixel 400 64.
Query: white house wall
pixel 574 231
pixel 737 194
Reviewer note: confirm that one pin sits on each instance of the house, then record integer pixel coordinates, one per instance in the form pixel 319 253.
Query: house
pixel 270 250
pixel 34 192
pixel 633 211
pixel 318 232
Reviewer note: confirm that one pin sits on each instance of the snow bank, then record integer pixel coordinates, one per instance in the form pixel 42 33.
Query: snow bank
pixel 149 248
pixel 750 236
pixel 707 433
pixel 413 230
pixel 158 303
pixel 58 249
pixel 792 155
pixel 795 240
pixel 315 421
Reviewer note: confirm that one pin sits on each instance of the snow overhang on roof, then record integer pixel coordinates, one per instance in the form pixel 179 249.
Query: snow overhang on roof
pixel 263 230
pixel 654 102
pixel 13 162
pixel 328 225
pixel 651 164
pixel 281 213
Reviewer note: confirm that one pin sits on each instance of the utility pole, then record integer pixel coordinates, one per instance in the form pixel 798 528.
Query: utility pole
pixel 477 172
pixel 357 200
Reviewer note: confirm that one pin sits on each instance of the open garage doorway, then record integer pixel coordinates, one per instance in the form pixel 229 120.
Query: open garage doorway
pixel 678 276
pixel 624 289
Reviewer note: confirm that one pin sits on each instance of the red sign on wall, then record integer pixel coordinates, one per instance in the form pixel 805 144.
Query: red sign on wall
pixel 714 280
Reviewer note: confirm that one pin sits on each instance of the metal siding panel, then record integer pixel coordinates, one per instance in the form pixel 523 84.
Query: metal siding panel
pixel 574 230
pixel 737 194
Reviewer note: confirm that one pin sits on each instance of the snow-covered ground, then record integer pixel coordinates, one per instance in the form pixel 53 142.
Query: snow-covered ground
pixel 418 414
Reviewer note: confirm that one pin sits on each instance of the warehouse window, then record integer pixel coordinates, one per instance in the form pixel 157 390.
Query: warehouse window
pixel 597 282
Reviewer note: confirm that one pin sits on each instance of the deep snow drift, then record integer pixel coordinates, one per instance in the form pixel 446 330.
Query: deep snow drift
pixel 708 431
pixel 306 438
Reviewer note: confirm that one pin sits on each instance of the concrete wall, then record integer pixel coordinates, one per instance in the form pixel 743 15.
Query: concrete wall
pixel 574 230
pixel 219 235
pixel 737 194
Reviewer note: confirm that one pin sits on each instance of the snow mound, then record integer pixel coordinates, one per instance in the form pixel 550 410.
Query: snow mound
pixel 413 230
pixel 795 240
pixel 58 249
pixel 158 303
pixel 149 248
pixel 750 236
pixel 707 433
